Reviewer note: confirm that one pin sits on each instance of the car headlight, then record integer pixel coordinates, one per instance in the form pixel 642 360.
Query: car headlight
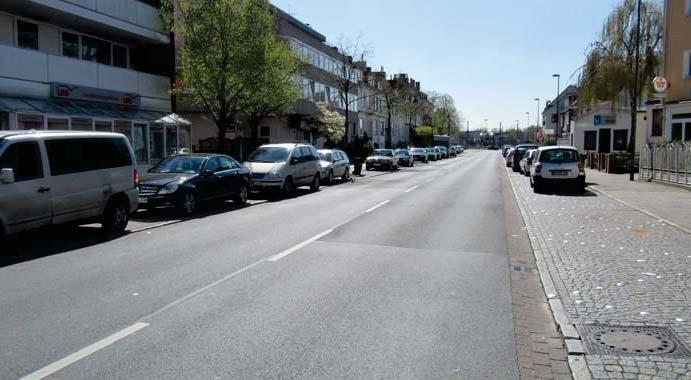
pixel 168 189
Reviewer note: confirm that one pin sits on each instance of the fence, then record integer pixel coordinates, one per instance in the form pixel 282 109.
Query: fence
pixel 666 163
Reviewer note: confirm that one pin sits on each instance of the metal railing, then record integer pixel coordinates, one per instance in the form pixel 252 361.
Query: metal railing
pixel 666 163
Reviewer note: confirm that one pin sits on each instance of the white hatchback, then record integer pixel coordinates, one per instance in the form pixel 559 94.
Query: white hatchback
pixel 557 165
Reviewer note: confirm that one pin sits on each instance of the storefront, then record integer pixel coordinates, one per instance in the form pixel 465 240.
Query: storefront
pixel 154 135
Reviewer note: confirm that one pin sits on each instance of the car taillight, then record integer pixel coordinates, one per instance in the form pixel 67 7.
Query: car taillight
pixel 538 168
pixel 580 167
pixel 135 178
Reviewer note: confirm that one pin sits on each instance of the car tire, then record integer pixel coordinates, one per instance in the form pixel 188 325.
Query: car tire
pixel 188 203
pixel 288 186
pixel 330 177
pixel 242 195
pixel 314 186
pixel 537 187
pixel 115 216
pixel 412 163
pixel 346 175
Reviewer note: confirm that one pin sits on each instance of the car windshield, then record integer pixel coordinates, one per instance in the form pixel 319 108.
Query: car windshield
pixel 416 150
pixel 556 156
pixel 269 154
pixel 2 142
pixel 383 152
pixel 179 164
pixel 402 152
pixel 325 156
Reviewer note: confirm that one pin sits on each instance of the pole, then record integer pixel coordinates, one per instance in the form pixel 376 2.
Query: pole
pixel 467 131
pixel 634 101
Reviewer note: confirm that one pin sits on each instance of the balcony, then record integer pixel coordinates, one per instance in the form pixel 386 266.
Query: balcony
pixel 29 73
pixel 125 18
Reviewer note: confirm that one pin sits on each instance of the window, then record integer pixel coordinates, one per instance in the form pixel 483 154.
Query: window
pixel 79 124
pixel 559 156
pixel 590 140
pixel 27 35
pixel 265 131
pixel 103 126
pixel 58 124
pixel 24 158
pixel 297 155
pixel 554 118
pixel 27 122
pixel 70 45
pixel 171 139
pixel 213 165
pixel 119 56
pixel 78 155
pixel 687 65
pixel 140 141
pixel 96 50
pixel 676 132
pixel 620 139
pixel 657 124
pixel 225 164
pixel 687 132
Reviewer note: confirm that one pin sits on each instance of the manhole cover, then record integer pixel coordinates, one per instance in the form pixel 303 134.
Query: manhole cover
pixel 632 340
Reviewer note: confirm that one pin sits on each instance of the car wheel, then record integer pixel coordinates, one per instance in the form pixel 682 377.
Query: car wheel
pixel 115 216
pixel 188 203
pixel 288 186
pixel 314 186
pixel 526 173
pixel 346 175
pixel 330 177
pixel 241 197
pixel 537 187
pixel 412 163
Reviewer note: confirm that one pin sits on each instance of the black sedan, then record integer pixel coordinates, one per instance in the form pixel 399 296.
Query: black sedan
pixel 186 180
pixel 404 157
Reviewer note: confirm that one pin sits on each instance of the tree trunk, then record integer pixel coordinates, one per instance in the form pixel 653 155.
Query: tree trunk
pixel 222 128
pixel 347 126
pixel 387 142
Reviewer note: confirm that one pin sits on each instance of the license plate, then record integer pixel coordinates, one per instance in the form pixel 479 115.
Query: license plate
pixel 143 200
pixel 377 164
pixel 560 173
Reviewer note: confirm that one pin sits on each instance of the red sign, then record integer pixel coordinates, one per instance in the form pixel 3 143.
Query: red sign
pixel 539 136
pixel 62 90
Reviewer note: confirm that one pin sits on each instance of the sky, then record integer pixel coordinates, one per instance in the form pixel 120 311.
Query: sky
pixel 493 56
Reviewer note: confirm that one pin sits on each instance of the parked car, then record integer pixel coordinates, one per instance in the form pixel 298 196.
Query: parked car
pixel 59 177
pixel 187 180
pixel 509 157
pixel 442 151
pixel 419 154
pixel 526 160
pixel 284 167
pixel 404 157
pixel 334 164
pixel 452 151
pixel 505 150
pixel 519 153
pixel 382 159
pixel 557 165
pixel 433 154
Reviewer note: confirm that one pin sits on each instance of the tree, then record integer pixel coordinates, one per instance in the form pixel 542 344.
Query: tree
pixel 608 74
pixel 446 119
pixel 231 60
pixel 392 99
pixel 330 123
pixel 348 80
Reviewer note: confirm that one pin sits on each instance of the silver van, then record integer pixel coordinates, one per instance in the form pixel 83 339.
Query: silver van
pixel 58 177
pixel 283 167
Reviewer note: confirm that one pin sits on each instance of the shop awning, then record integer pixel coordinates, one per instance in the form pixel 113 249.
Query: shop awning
pixel 74 108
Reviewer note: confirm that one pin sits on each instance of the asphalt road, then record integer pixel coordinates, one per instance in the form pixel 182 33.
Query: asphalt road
pixel 398 276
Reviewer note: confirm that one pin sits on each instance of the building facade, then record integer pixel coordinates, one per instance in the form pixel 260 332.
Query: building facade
pixel 372 107
pixel 669 117
pixel 92 65
pixel 560 124
pixel 602 128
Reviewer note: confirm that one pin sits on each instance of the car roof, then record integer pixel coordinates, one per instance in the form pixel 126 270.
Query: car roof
pixel 44 133
pixel 203 155
pixel 284 145
pixel 542 148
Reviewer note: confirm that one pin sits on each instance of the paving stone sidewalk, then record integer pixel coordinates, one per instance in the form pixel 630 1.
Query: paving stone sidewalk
pixel 611 264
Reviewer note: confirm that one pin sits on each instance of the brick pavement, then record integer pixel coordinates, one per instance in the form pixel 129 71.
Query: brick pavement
pixel 611 264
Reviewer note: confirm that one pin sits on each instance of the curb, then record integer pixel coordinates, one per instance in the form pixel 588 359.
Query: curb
pixel 641 210
pixel 570 336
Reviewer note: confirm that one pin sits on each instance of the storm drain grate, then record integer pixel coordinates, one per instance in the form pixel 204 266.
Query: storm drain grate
pixel 632 340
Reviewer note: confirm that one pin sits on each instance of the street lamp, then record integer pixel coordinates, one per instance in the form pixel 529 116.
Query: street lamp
pixel 634 101
pixel 556 129
pixel 537 121
pixel 525 133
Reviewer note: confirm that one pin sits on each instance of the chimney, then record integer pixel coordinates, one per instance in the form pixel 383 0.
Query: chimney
pixel 417 86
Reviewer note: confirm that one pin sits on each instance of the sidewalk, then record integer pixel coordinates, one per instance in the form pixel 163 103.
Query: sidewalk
pixel 670 203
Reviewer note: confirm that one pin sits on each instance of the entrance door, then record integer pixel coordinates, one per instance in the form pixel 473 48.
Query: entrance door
pixel 605 140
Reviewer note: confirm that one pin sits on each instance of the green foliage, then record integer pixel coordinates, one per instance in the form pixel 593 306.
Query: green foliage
pixel 423 135
pixel 609 69
pixel 330 123
pixel 446 119
pixel 231 60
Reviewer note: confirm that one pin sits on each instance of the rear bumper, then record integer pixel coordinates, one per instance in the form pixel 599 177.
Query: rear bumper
pixel 578 181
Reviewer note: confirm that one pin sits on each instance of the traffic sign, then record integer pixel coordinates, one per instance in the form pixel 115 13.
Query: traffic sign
pixel 660 84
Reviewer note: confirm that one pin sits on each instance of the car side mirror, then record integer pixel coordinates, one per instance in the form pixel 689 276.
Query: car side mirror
pixel 207 173
pixel 7 176
pixel 294 161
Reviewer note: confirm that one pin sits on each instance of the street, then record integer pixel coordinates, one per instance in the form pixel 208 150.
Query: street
pixel 402 275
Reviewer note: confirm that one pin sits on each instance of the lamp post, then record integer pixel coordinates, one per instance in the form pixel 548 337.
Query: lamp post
pixel 634 100
pixel 501 136
pixel 537 117
pixel 556 129
pixel 525 133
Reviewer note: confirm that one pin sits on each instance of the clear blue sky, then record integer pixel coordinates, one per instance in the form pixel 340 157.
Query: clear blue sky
pixel 493 56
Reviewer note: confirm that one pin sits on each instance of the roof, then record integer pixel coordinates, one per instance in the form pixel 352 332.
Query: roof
pixel 299 24
pixel 44 133
pixel 86 109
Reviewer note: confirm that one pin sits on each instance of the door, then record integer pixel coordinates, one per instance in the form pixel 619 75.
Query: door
pixel 339 164
pixel 604 140
pixel 26 203
pixel 211 185
pixel 228 177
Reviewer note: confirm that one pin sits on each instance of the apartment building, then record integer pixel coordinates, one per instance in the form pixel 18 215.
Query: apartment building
pixel 669 116
pixel 97 65
pixel 373 112
pixel 560 124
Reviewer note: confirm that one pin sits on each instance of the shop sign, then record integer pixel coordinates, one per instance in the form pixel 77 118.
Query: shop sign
pixel 68 91
pixel 604 119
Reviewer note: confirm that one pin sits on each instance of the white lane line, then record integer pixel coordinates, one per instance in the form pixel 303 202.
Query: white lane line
pixel 84 352
pixel 296 247
pixel 377 206
pixel 411 189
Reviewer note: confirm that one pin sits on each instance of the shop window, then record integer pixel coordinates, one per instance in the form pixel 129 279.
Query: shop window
pixel 620 139
pixel 70 45
pixel 124 127
pixel 58 124
pixel 171 139
pixel 687 132
pixel 265 131
pixel 156 142
pixel 139 142
pixel 657 123
pixel 24 158
pixel 590 140
pixel 27 35
pixel 96 50
pixel 676 132
pixel 80 124
pixel 103 126
pixel 119 56
pixel 28 122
